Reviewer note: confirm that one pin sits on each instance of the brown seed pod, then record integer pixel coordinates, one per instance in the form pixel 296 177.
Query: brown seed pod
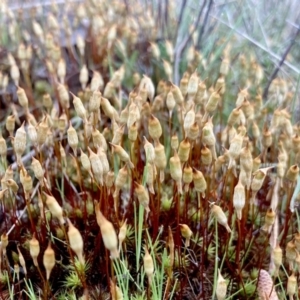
pixel 108 233
pixel 49 260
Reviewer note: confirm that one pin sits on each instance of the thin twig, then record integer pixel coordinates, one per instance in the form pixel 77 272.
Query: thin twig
pixel 276 70
pixel 183 45
pixel 257 44
pixel 204 22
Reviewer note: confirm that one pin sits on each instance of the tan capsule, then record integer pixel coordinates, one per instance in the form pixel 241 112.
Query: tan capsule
pixel 79 107
pixel 20 142
pixel 221 289
pixel 187 233
pixel 34 249
pixel 54 208
pixel 291 286
pixel 104 161
pixel 176 171
pixel 107 108
pixel 72 138
pixel 267 138
pixel 133 132
pixel 239 199
pixel 23 100
pixel 277 256
pixel 160 159
pixel 269 219
pixel 108 233
pixel 174 142
pixel 293 173
pixel 149 151
pixel 4 243
pixel 178 97
pixel 121 179
pixel 148 265
pixel 109 180
pixel 234 117
pixel 96 165
pixel 122 234
pixel 83 76
pixel 212 102
pixel 206 156
pixel 11 184
pixel 143 197
pixel 118 135
pixel 76 241
pixel 290 253
pixel 193 132
pixel 49 260
pixel 170 102
pixel 199 181
pixel 235 149
pixel 42 130
pixel 224 69
pixel 3 147
pixel 61 70
pixel 22 260
pixel 32 133
pixel 184 150
pixel 64 98
pixel 27 185
pixel 183 85
pixel 220 216
pixel 123 155
pixel 84 159
pixel 95 101
pixel 187 177
pixel 62 154
pixel 10 124
pixel 154 128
